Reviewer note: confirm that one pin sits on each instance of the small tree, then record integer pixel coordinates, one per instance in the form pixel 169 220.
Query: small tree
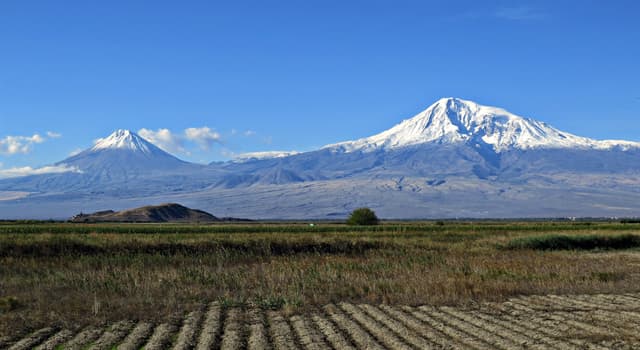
pixel 362 216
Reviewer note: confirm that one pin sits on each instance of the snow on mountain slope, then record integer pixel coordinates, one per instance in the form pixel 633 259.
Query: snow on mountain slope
pixel 122 163
pixel 453 120
pixel 124 143
pixel 124 154
pixel 263 155
pixel 124 139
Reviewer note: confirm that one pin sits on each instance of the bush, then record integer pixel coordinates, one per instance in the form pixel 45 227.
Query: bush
pixel 362 216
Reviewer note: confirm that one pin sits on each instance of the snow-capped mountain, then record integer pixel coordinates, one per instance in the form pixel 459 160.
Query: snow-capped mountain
pixel 124 152
pixel 456 121
pixel 457 158
pixel 122 163
pixel 451 137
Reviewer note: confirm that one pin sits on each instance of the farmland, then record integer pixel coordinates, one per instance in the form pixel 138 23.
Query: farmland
pixel 598 321
pixel 396 285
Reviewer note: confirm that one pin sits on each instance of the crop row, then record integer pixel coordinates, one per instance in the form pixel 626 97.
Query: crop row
pixel 532 322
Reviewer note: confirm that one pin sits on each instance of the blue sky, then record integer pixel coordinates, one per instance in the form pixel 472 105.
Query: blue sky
pixel 295 75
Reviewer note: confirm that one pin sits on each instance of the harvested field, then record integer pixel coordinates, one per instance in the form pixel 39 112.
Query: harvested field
pixel 327 286
pixel 600 321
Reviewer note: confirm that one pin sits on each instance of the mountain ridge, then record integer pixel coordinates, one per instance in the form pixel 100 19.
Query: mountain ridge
pixel 454 120
pixel 454 159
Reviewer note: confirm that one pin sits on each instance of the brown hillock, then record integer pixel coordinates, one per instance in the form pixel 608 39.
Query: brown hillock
pixel 169 212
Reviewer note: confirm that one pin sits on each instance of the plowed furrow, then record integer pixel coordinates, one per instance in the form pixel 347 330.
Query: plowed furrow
pixel 526 307
pixel 331 333
pixel 232 336
pixel 631 312
pixel 281 333
pixel 466 340
pixel 210 328
pixel 308 337
pixel 609 304
pixel 439 339
pixel 398 328
pixel 561 304
pixel 56 340
pixel 630 302
pixel 632 315
pixel 188 332
pixel 598 303
pixel 535 324
pixel 112 336
pixel 477 333
pixel 553 326
pixel 380 332
pixel 579 303
pixel 497 336
pixel 527 336
pixel 137 337
pixel 33 339
pixel 582 331
pixel 633 296
pixel 360 338
pixel 82 339
pixel 538 305
pixel 617 321
pixel 257 332
pixel 161 337
pixel 609 313
pixel 574 319
pixel 577 321
pixel 611 299
pixel 630 319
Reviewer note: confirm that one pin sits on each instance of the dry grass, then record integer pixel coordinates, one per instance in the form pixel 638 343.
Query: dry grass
pixel 95 277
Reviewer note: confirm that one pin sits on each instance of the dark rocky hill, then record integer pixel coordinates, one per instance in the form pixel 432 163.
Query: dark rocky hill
pixel 169 212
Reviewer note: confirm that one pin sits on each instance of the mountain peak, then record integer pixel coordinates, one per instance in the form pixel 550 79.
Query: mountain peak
pixel 456 121
pixel 452 102
pixel 124 155
pixel 124 139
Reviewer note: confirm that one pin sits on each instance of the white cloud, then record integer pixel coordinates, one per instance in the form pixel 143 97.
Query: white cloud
pixel 10 145
pixel 204 137
pixel 184 142
pixel 165 139
pixel 249 133
pixel 53 135
pixel 27 170
pixel 75 152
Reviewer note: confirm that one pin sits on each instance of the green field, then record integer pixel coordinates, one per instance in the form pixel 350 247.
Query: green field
pixel 72 275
